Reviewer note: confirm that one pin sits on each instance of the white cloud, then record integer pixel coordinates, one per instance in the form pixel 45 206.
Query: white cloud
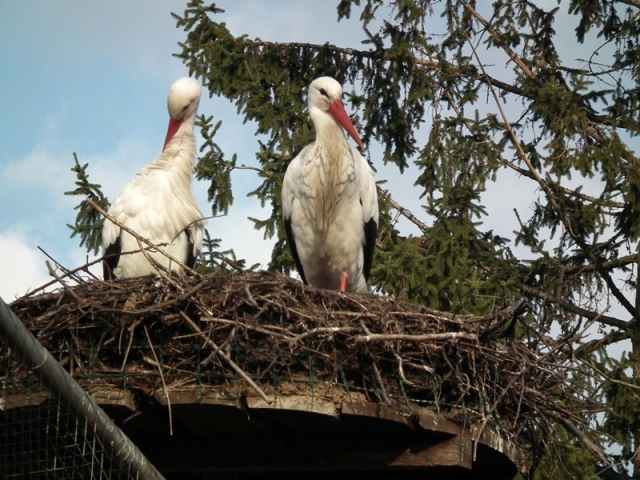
pixel 23 266
pixel 39 171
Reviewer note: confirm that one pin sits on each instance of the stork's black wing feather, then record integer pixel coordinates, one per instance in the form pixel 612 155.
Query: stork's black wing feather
pixel 111 258
pixel 370 234
pixel 294 250
pixel 190 260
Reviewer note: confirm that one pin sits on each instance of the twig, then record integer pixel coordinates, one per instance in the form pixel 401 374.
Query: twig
pixel 164 385
pixel 222 355
pixel 65 270
pixel 403 211
pixel 59 280
pixel 285 336
pixel 250 297
pixel 401 369
pixel 320 330
pixel 428 337
pixel 376 371
pixel 131 330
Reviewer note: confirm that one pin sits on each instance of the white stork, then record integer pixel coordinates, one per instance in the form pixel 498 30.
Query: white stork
pixel 329 199
pixel 158 203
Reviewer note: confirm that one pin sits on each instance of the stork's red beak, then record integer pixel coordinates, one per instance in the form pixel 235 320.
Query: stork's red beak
pixel 336 109
pixel 174 125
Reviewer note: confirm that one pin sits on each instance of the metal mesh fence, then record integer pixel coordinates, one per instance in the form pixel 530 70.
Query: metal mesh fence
pixel 49 427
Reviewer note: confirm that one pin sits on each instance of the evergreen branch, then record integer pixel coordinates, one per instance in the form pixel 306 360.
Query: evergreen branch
pixel 591 315
pixel 464 71
pixel 594 449
pixel 632 3
pixel 527 71
pixel 610 338
pixel 88 224
pixel 609 265
pixel 552 200
pixel 567 191
pixel 315 46
pixel 513 55
pixel 369 55
pixel 526 173
pixel 403 211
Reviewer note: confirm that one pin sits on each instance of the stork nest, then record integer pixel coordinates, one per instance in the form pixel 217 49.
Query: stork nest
pixel 260 330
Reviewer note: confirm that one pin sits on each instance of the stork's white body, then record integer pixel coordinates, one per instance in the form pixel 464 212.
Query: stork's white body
pixel 329 198
pixel 158 203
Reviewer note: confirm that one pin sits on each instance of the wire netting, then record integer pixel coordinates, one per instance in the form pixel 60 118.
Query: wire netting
pixel 49 427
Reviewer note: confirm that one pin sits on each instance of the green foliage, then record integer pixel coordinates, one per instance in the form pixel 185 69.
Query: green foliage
pixel 89 222
pixel 212 166
pixel 213 259
pixel 565 460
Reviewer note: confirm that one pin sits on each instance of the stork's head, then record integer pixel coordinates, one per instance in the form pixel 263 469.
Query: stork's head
pixel 325 94
pixel 182 103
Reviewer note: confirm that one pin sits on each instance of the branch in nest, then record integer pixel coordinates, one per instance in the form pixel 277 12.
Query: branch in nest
pixel 222 355
pixel 315 331
pixel 429 337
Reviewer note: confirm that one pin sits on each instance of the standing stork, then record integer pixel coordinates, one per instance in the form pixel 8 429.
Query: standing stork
pixel 329 199
pixel 158 203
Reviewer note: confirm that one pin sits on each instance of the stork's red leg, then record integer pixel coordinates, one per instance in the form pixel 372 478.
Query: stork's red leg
pixel 343 282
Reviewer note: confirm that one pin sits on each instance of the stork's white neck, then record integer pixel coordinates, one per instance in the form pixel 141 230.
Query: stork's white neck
pixel 180 154
pixel 329 133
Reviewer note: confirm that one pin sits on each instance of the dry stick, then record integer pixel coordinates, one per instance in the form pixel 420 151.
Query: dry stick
pixel 159 306
pixel 427 337
pixel 249 296
pixel 151 246
pixel 59 279
pixel 288 336
pixel 131 329
pixel 164 385
pixel 65 270
pixel 534 364
pixel 222 355
pixel 320 330
pixel 212 355
pixel 515 376
pixel 401 369
pixel 514 56
pixel 403 211
pixel 160 270
pixel 376 371
pixel 65 275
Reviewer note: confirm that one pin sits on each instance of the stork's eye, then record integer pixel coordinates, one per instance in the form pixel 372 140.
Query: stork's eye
pixel 185 108
pixel 324 92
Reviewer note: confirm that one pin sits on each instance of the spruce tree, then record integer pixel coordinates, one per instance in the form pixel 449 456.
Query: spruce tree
pixel 500 103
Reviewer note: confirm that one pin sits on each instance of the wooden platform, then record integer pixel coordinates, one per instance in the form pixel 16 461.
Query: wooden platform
pixel 212 432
